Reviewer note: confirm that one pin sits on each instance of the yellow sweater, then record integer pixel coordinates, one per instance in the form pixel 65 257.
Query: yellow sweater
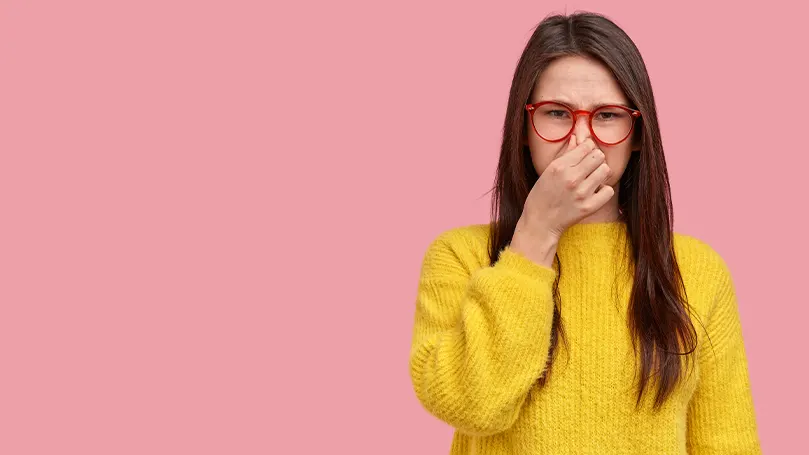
pixel 482 333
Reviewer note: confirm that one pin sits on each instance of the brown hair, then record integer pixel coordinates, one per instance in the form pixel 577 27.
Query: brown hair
pixel 658 309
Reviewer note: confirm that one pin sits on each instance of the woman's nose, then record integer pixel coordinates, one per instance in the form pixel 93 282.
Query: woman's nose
pixel 581 129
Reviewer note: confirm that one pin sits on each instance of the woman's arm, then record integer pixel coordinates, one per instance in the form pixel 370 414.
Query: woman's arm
pixel 481 335
pixel 721 418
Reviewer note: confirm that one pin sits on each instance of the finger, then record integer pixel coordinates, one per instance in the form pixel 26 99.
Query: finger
pixel 600 197
pixel 588 164
pixel 595 181
pixel 577 154
pixel 571 144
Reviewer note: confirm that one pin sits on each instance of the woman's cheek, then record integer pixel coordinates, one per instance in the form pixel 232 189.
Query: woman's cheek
pixel 616 163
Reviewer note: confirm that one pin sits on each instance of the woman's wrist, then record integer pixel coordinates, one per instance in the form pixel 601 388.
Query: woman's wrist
pixel 536 243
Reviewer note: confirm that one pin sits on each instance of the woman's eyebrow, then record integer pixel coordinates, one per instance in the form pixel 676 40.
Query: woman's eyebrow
pixel 574 106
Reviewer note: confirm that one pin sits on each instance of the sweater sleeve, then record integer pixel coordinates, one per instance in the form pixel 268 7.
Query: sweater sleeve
pixel 481 336
pixel 721 417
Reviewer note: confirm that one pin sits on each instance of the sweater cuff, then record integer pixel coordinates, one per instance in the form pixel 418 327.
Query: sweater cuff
pixel 521 264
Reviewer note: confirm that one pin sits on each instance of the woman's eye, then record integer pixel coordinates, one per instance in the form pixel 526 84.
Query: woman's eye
pixel 606 115
pixel 557 113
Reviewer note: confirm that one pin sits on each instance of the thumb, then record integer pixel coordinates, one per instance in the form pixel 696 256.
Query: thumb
pixel 571 144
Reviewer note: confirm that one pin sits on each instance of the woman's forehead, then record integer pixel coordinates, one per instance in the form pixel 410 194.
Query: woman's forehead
pixel 579 81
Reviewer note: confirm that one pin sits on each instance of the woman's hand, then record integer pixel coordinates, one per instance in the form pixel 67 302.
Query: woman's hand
pixel 570 189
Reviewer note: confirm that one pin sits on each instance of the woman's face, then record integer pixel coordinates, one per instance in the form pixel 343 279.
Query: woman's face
pixel 579 83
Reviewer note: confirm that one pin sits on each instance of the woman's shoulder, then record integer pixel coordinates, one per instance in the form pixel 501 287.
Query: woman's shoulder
pixel 697 253
pixel 703 268
pixel 467 244
pixel 475 234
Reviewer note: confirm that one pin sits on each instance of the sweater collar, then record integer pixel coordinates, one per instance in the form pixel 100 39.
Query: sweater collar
pixel 593 245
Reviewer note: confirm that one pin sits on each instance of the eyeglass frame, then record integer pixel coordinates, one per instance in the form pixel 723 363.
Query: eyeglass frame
pixel 634 113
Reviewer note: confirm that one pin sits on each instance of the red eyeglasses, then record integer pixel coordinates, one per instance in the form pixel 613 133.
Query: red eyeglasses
pixel 610 124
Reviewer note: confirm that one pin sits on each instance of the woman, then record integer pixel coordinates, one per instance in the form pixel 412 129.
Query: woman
pixel 577 321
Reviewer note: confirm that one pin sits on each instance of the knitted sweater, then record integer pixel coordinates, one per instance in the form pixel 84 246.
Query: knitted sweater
pixel 482 334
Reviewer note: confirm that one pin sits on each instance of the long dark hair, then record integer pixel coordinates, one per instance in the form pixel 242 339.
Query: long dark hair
pixel 658 314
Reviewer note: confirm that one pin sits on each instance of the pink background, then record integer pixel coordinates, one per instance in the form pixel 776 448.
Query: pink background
pixel 214 213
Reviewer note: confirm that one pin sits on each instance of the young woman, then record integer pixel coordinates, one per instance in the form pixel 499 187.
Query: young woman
pixel 577 321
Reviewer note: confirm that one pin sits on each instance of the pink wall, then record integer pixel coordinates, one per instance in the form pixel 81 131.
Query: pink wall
pixel 213 213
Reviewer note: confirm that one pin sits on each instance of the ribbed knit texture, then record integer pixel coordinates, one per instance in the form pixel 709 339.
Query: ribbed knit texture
pixel 482 334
